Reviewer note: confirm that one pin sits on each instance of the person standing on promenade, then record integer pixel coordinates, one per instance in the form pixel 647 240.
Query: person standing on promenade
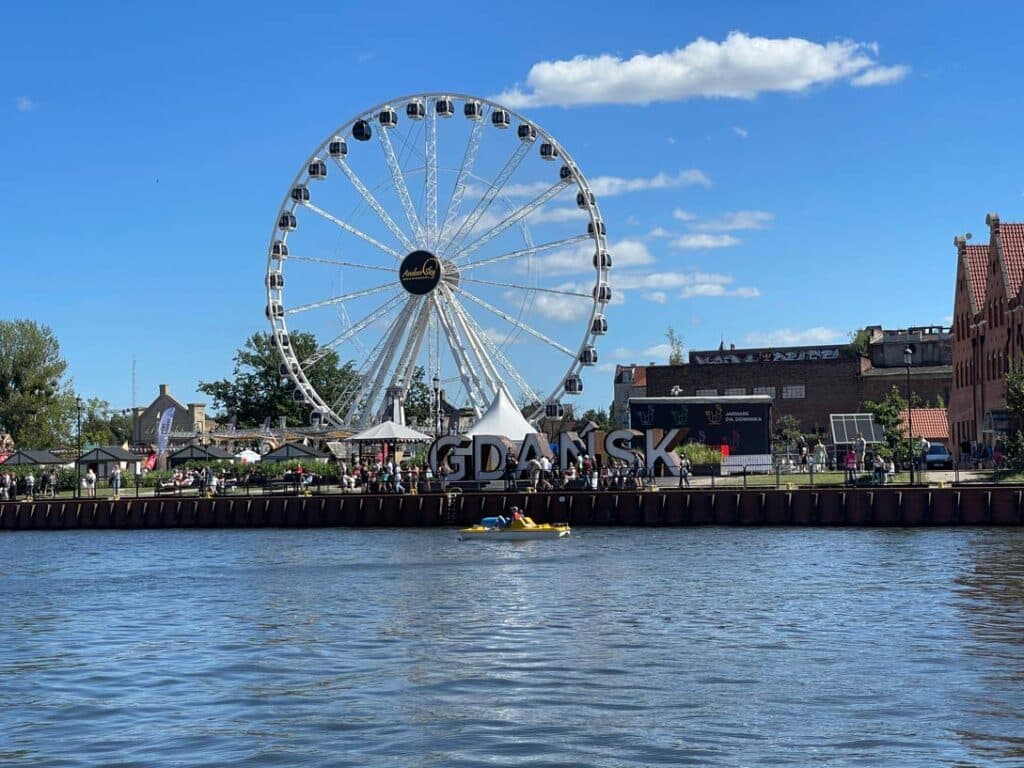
pixel 820 455
pixel 30 485
pixel 510 471
pixel 90 483
pixel 860 446
pixel 851 467
pixel 115 481
pixel 684 471
pixel 53 483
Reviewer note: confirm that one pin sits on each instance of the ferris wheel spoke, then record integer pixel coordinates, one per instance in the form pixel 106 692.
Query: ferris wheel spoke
pixel 352 230
pixel 339 263
pixel 340 299
pixel 372 201
pixel 430 177
pixel 516 322
pixel 351 332
pixel 517 215
pixel 488 197
pixel 574 294
pixel 494 352
pixel 467 373
pixel 523 252
pixel 462 180
pixel 400 186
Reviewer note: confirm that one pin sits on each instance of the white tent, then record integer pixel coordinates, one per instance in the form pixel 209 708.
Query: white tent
pixel 247 456
pixel 503 419
pixel 389 432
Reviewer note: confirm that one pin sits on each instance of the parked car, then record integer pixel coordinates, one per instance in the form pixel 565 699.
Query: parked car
pixel 938 457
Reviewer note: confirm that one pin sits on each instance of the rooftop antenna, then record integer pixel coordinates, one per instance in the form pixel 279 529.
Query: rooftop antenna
pixel 134 401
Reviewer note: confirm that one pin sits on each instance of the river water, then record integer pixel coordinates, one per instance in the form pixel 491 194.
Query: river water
pixel 709 646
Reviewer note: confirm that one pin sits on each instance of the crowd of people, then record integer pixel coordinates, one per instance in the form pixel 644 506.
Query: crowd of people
pixel 11 486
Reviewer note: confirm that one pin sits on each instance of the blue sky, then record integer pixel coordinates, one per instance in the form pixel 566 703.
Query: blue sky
pixel 798 174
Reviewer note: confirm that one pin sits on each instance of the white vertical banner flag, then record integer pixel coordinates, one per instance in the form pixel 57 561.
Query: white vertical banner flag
pixel 163 432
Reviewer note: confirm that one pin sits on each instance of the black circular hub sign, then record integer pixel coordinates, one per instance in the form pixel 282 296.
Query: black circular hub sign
pixel 420 272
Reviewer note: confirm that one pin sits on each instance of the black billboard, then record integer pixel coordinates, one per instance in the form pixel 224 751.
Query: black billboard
pixel 745 426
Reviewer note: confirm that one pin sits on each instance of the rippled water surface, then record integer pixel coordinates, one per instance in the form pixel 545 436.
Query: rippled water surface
pixel 732 647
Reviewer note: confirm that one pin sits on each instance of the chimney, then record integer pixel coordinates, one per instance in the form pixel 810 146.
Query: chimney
pixel 164 390
pixel 992 220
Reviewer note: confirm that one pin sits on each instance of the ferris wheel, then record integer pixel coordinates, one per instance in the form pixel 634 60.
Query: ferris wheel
pixel 444 237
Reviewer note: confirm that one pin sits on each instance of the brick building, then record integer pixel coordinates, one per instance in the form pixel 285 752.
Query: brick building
pixel 988 331
pixel 810 383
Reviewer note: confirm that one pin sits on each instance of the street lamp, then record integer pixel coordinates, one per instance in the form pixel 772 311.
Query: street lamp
pixel 436 381
pixel 78 463
pixel 908 355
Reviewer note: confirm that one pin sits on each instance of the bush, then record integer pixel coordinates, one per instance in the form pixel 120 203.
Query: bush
pixel 699 453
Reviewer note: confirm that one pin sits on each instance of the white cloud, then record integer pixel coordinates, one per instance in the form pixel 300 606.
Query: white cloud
pixel 556 215
pixel 24 104
pixel 741 132
pixel 658 297
pixel 578 260
pixel 659 232
pixel 716 290
pixel 500 337
pixel 737 220
pixel 622 353
pixel 661 351
pixel 881 76
pixel 609 186
pixel 787 337
pixel 697 241
pixel 739 67
pixel 658 281
pixel 680 215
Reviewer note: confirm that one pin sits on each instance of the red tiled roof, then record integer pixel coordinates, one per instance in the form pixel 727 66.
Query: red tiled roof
pixel 977 273
pixel 1012 238
pixel 929 423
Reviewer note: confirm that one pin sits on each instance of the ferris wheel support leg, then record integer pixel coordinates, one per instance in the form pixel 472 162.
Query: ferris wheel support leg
pixel 363 403
pixel 468 374
pixel 490 373
pixel 498 355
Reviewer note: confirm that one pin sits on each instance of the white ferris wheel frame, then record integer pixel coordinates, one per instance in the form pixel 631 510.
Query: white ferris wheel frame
pixel 429 235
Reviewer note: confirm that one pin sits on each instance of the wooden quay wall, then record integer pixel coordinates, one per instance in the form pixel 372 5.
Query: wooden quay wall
pixel 956 506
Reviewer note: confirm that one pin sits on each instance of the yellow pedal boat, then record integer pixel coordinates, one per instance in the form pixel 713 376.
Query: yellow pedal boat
pixel 519 529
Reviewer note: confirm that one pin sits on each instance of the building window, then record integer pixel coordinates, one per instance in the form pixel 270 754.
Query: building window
pixel 707 393
pixel 794 392
pixel 736 391
pixel 765 391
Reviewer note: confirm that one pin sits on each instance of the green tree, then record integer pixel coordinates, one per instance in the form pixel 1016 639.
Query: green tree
pixel 859 341
pixel 675 346
pixel 598 416
pixel 787 432
pixel 257 389
pixel 419 399
pixel 103 426
pixel 36 403
pixel 1015 405
pixel 887 415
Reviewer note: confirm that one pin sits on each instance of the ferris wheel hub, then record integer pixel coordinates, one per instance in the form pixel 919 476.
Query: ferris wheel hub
pixel 420 272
